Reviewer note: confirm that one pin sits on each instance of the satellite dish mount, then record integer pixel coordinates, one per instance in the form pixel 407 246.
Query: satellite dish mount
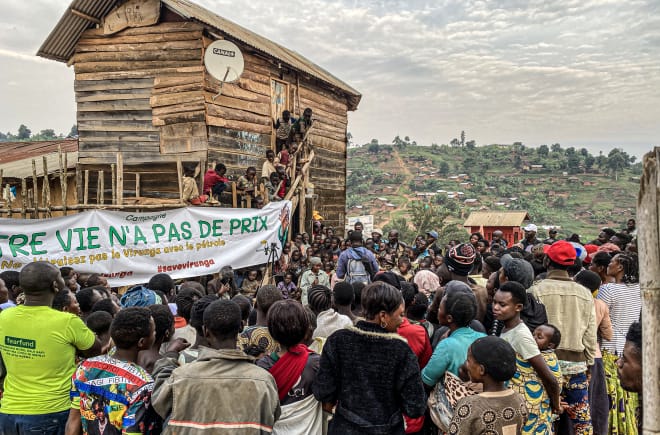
pixel 224 61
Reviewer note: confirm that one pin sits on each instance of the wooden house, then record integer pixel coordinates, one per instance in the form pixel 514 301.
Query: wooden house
pixel 41 174
pixel 146 103
pixel 509 222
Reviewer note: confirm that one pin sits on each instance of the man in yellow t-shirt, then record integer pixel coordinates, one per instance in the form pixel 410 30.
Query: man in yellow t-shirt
pixel 38 346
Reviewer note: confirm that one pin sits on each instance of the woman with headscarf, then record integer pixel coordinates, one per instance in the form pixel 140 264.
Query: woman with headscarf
pixel 369 371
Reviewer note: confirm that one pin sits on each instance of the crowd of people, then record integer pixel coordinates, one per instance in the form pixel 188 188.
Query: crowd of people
pixel 355 335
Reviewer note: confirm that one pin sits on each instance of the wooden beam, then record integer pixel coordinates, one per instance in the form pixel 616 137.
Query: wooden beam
pixel 120 178
pixel 85 16
pixel 86 191
pixel 179 174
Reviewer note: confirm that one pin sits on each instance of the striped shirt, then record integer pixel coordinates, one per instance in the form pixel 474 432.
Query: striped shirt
pixel 625 304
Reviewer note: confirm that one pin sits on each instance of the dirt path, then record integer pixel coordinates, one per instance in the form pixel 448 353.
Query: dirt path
pixel 408 176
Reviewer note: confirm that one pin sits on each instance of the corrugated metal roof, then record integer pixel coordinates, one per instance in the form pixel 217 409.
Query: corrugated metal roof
pixel 60 44
pixel 16 157
pixel 496 218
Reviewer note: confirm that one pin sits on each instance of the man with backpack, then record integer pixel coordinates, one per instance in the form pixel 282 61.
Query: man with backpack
pixel 357 263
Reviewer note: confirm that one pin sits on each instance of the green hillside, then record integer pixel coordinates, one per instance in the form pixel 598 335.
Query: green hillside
pixel 564 187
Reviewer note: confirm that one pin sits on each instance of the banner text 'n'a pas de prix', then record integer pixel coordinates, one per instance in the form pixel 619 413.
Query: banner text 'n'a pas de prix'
pixel 129 248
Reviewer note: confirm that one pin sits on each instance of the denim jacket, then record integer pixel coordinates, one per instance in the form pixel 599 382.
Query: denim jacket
pixel 223 391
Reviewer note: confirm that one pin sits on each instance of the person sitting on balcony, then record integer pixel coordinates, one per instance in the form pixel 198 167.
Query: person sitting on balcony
pixel 215 181
pixel 190 193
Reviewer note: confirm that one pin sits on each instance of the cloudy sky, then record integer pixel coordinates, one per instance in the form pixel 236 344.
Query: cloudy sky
pixel 577 72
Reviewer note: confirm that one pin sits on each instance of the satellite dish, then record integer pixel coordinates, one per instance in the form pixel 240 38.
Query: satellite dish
pixel 224 61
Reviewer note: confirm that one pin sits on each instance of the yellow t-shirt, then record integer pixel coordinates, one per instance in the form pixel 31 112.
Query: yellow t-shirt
pixel 38 346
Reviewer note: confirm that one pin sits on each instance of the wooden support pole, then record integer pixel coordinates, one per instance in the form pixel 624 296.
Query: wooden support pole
pixel 46 187
pixel 234 195
pixel 86 190
pixel 179 175
pixel 137 185
pixel 114 183
pixel 23 197
pixel 62 177
pixel 202 171
pixel 35 187
pixel 100 194
pixel 648 245
pixel 120 178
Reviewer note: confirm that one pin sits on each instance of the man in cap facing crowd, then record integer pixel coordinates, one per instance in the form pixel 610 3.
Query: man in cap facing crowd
pixel 530 237
pixel 570 307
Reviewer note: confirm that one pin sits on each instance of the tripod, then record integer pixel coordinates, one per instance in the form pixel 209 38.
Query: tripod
pixel 271 252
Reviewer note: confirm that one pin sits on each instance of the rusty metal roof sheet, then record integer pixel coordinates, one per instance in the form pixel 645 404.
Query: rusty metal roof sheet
pixel 496 219
pixel 60 44
pixel 16 157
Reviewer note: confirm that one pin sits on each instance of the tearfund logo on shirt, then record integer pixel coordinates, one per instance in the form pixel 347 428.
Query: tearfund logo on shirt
pixel 20 342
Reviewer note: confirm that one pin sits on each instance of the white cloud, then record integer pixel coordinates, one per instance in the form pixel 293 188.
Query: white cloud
pixel 540 71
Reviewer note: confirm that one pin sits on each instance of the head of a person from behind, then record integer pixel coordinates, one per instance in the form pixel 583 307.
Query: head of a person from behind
pixel 344 296
pixel 186 297
pixel 547 337
pixel 11 280
pixel 267 295
pixel 509 301
pixel 99 322
pixel 629 365
pixel 319 298
pixel 588 279
pixel 197 312
pixel 408 292
pixel 88 297
pixel 164 321
pixel 457 309
pixel 516 269
pixel 382 304
pixel 560 255
pixel 96 279
pixel 40 282
pixel 355 238
pixel 458 262
pixel 418 307
pixel 107 305
pixel 66 301
pixel 222 323
pixel 133 328
pixel 491 359
pixel 163 282
pixel 307 114
pixel 288 323
pixel 245 305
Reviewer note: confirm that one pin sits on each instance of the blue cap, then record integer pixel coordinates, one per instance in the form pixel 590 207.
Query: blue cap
pixel 433 234
pixel 139 296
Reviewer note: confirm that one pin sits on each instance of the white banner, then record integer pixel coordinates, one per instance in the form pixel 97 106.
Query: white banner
pixel 129 248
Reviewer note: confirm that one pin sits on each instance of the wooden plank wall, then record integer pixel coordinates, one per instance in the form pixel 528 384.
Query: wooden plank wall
pixel 328 170
pixel 139 92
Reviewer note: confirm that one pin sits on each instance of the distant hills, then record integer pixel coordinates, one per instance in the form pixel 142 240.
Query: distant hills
pixel 565 187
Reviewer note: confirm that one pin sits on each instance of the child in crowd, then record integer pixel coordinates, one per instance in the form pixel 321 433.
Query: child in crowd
pixel 190 193
pixel 273 187
pixel 547 338
pixel 164 321
pixel 102 392
pixel 99 322
pixel 215 181
pixel 288 287
pixel 250 284
pixel 247 182
pixel 268 166
pixel 491 361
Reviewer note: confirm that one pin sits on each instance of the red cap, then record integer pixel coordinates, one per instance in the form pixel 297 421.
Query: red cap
pixel 561 252
pixel 591 249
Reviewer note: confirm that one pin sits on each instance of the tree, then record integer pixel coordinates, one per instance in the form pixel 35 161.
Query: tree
pixel 444 168
pixel 24 132
pixel 543 151
pixel 617 160
pixel 462 138
pixel 373 148
pixel 556 148
pixel 471 144
pixel 452 232
pixel 454 142
pixel 425 216
pixel 47 134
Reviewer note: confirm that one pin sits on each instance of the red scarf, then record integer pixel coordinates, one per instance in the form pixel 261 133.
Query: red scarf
pixel 289 367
